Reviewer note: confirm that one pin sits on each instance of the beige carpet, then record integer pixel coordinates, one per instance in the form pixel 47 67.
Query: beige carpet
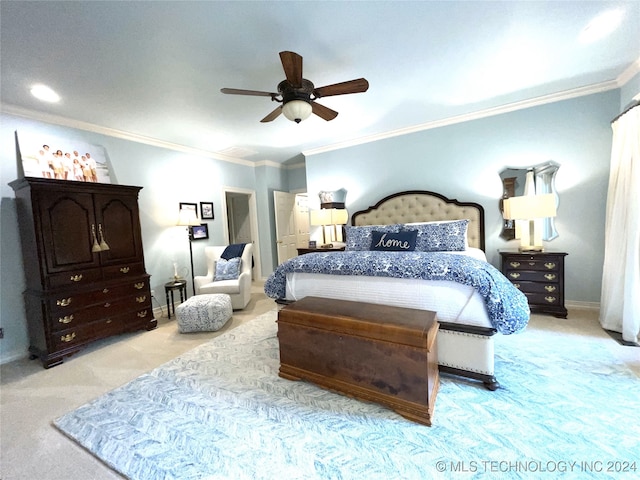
pixel 31 397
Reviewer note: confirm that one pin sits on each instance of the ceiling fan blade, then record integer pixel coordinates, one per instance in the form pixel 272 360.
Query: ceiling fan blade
pixel 292 65
pixel 273 115
pixel 352 86
pixel 323 112
pixel 236 91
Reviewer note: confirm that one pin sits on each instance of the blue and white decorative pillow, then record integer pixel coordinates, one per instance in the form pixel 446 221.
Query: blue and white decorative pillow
pixel 404 241
pixel 448 236
pixel 227 269
pixel 359 238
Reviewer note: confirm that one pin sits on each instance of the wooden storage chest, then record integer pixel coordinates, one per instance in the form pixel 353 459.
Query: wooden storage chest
pixel 371 352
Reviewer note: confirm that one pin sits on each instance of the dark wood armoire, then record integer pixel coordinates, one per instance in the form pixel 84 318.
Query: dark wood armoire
pixel 83 262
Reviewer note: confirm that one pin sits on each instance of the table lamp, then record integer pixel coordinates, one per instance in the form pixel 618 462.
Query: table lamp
pixel 530 209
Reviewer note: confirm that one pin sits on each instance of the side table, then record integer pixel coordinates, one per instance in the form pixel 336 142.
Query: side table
pixel 181 286
pixel 540 276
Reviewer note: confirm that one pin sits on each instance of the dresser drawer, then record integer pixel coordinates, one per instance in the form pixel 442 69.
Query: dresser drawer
pixel 65 303
pixel 123 271
pixel 80 278
pixel 86 333
pixel 138 319
pixel 108 308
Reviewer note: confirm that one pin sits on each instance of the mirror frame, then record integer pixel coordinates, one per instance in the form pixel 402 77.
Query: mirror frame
pixel 513 179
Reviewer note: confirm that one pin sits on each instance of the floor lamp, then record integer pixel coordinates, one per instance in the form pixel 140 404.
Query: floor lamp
pixel 188 218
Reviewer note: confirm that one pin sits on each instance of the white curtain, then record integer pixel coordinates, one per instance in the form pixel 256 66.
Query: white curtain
pixel 620 300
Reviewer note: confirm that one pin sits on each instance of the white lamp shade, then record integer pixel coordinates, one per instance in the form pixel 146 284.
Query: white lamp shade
pixel 339 216
pixel 529 207
pixel 297 110
pixel 188 217
pixel 320 217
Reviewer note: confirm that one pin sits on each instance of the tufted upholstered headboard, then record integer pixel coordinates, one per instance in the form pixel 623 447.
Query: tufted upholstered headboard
pixel 422 206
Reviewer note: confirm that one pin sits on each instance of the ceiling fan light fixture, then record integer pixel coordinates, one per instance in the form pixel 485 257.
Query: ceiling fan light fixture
pixel 297 110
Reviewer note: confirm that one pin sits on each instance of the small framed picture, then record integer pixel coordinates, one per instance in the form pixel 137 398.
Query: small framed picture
pixel 206 210
pixel 189 206
pixel 200 232
pixel 312 244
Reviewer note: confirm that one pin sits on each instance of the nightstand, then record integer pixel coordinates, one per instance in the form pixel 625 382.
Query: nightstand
pixel 304 250
pixel 540 276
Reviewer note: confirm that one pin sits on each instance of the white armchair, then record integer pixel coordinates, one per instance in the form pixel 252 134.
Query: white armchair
pixel 239 289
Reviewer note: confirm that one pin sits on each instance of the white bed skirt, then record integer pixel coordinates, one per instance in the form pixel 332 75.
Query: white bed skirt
pixel 453 302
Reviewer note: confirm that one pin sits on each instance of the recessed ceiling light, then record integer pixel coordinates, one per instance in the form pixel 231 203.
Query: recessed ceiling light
pixel 601 26
pixel 44 93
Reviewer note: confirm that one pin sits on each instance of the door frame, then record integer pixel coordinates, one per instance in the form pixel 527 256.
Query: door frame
pixel 253 223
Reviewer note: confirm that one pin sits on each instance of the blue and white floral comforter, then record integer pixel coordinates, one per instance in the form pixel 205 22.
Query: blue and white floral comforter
pixel 507 307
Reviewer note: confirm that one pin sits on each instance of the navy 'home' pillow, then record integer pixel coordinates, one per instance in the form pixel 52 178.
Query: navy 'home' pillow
pixel 404 241
pixel 359 238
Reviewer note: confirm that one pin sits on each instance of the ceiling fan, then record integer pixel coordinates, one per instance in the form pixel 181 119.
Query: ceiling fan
pixel 298 95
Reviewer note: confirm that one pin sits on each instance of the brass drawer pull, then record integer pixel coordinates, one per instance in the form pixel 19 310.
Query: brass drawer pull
pixel 515 264
pixel 550 288
pixel 550 276
pixel 107 305
pixel 68 337
pixel 142 314
pixel 550 265
pixel 141 299
pixel 517 285
pixel 105 290
pixel 109 321
pixel 514 275
pixel 76 278
pixel 64 302
pixel 139 286
pixel 550 299
pixel 532 264
pixel 124 270
pixel 66 319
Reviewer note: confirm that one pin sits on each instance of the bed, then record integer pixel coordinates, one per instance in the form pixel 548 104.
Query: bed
pixel 448 274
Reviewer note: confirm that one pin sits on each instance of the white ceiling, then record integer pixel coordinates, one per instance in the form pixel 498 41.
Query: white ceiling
pixel 154 69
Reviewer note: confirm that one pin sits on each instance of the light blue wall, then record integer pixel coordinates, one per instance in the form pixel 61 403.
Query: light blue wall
pixel 167 177
pixel 462 161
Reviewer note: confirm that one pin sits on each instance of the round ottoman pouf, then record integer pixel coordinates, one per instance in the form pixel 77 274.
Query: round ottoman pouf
pixel 204 313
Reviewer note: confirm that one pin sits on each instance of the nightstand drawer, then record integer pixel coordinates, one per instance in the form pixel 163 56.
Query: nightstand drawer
pixel 531 276
pixel 537 287
pixel 542 299
pixel 545 265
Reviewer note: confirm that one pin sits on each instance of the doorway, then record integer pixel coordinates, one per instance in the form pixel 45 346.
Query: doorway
pixel 240 221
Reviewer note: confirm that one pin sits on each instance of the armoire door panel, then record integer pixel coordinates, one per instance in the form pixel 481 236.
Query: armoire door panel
pixel 67 222
pixel 119 227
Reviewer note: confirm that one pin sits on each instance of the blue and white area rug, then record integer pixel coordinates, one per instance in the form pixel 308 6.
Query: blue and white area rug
pixel 567 409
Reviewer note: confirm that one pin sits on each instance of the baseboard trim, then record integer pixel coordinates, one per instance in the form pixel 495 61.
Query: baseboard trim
pixel 582 305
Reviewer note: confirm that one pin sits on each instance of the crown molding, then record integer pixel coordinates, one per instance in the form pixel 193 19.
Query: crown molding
pixel 629 73
pixel 112 132
pixel 467 117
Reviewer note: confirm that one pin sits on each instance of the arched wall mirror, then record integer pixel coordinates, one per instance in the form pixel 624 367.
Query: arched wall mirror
pixel 537 179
